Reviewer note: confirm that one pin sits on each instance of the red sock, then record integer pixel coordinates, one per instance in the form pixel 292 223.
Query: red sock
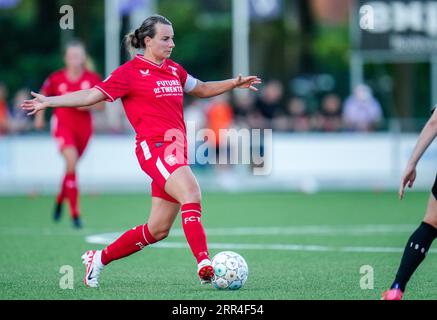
pixel 61 194
pixel 130 242
pixel 193 229
pixel 72 193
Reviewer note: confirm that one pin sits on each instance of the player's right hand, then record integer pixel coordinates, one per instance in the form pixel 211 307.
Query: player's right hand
pixel 37 104
pixel 407 179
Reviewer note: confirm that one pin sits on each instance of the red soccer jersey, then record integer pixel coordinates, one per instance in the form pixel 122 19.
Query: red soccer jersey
pixel 152 96
pixel 58 84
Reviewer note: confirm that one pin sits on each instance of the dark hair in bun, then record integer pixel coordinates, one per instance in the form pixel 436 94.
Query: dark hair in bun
pixel 135 39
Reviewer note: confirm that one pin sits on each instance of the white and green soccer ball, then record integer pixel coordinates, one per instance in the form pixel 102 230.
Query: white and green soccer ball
pixel 230 270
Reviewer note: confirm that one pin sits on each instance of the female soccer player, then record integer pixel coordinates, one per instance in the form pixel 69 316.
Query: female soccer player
pixel 151 87
pixel 421 240
pixel 72 128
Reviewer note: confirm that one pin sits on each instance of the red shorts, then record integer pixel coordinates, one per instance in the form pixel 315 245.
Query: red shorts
pixel 159 161
pixel 76 136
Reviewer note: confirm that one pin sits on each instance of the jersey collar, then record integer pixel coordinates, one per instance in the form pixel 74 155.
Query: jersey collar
pixel 76 80
pixel 141 58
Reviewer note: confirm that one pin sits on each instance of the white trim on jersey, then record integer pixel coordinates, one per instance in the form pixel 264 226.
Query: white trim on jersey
pixel 146 150
pixel 162 169
pixel 149 62
pixel 190 83
pixel 105 93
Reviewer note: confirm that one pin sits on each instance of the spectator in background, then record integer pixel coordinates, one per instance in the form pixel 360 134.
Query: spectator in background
pixel 195 118
pixel 245 115
pixel 299 118
pixel 362 112
pixel 219 115
pixel 329 117
pixel 194 112
pixel 268 104
pixel 3 109
pixel 243 106
pixel 19 122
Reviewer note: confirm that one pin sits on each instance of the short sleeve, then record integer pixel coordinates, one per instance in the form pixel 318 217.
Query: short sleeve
pixel 182 74
pixel 96 79
pixel 188 82
pixel 116 85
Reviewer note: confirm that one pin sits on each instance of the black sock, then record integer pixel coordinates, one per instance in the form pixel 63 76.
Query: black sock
pixel 414 253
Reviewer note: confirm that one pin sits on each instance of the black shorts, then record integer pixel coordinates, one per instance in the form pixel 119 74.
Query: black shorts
pixel 434 188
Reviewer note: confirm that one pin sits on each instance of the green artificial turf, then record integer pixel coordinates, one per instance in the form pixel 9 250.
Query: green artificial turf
pixel 34 248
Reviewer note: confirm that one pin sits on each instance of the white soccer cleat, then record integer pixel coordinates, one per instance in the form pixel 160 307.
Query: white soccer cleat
pixel 92 261
pixel 205 271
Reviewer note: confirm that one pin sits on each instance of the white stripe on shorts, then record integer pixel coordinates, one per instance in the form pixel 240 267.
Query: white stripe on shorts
pixel 146 150
pixel 162 169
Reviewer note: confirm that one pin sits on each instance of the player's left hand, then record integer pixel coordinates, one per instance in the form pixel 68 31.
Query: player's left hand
pixel 247 82
pixel 39 103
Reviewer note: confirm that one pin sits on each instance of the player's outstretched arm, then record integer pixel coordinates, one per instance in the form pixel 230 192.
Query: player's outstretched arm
pixel 429 132
pixel 215 88
pixel 76 99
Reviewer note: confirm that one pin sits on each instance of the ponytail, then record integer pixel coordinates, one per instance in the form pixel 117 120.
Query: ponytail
pixel 135 40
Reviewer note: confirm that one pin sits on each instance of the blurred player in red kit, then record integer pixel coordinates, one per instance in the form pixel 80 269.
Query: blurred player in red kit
pixel 72 128
pixel 151 87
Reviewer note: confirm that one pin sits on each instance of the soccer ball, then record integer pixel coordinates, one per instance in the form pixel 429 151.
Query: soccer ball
pixel 230 270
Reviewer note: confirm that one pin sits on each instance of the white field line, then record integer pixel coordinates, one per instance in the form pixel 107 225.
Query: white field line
pixel 352 230
pixel 107 238
pixel 44 231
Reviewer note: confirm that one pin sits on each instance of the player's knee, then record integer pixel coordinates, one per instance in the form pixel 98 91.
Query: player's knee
pixel 71 169
pixel 71 165
pixel 432 221
pixel 192 195
pixel 161 234
pixel 434 192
